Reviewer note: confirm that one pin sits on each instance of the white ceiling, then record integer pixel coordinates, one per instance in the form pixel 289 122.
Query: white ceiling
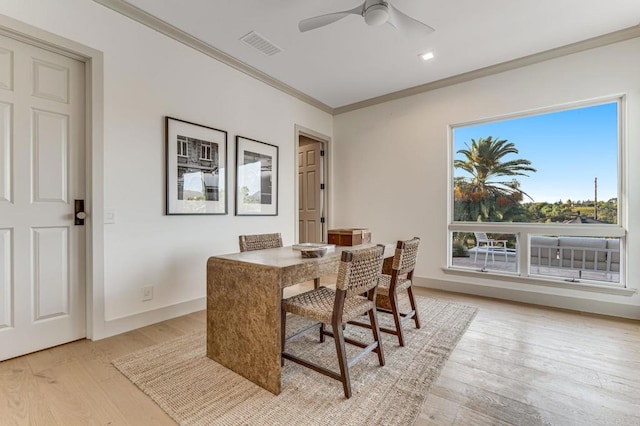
pixel 348 62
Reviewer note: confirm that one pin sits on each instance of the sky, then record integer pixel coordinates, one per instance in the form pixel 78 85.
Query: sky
pixel 567 148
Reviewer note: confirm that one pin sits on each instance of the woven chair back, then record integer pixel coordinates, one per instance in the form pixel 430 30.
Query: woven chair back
pixel 404 260
pixel 260 241
pixel 359 270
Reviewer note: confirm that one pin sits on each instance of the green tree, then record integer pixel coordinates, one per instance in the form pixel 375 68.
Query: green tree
pixel 608 211
pixel 486 195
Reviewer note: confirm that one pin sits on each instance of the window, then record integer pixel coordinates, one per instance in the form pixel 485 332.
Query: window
pixel 485 252
pixel 521 182
pixel 182 147
pixel 576 258
pixel 205 151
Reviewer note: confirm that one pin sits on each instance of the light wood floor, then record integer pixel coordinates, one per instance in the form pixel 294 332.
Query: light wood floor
pixel 517 364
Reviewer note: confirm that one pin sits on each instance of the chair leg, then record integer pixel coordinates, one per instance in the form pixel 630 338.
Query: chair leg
pixel 396 317
pixel 316 283
pixel 373 319
pixel 342 359
pixel 414 308
pixel 321 332
pixel 283 333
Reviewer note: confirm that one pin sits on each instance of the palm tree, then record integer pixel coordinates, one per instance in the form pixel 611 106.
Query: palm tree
pixel 482 196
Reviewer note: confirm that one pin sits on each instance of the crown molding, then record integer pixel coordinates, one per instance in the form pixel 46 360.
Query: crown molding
pixel 175 33
pixel 591 43
pixel 139 15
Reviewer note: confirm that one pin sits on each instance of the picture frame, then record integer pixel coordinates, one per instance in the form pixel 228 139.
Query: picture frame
pixel 256 178
pixel 196 168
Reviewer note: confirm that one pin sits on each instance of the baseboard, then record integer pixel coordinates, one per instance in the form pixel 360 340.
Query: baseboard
pixel 623 310
pixel 143 319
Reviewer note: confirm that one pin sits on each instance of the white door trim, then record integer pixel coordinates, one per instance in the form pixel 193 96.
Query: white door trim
pixel 326 146
pixel 94 157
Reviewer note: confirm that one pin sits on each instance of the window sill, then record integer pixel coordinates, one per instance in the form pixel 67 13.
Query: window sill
pixel 580 286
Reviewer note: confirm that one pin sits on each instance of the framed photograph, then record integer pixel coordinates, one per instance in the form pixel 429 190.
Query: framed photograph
pixel 256 178
pixel 196 168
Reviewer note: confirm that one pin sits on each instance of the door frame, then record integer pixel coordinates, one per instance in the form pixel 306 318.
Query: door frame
pixel 94 158
pixel 326 169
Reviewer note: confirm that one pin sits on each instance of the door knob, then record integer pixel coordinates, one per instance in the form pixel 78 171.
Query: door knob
pixel 80 215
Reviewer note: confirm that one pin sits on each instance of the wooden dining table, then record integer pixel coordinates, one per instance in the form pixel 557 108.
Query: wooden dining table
pixel 244 291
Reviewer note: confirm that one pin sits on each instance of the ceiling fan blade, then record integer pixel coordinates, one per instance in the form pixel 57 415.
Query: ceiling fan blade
pixel 406 24
pixel 322 20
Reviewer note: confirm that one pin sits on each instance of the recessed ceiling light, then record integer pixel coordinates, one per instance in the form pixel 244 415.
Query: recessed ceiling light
pixel 427 56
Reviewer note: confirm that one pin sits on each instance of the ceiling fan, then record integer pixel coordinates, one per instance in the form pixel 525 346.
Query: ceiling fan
pixel 374 12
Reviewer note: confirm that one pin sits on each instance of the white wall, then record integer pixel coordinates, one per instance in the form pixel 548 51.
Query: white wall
pixel 391 164
pixel 148 76
pixel 394 153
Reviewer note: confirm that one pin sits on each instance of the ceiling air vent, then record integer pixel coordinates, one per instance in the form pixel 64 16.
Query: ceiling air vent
pixel 256 41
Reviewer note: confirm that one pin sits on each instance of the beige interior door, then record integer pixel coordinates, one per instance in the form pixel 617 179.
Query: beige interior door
pixel 42 252
pixel 310 192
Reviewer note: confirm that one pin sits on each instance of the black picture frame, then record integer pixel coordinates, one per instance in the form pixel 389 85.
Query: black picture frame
pixel 256 178
pixel 196 168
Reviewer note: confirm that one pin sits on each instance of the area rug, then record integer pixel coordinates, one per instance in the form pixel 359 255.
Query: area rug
pixel 195 390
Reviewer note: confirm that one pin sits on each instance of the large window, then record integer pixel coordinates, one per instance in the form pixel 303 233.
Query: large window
pixel 521 182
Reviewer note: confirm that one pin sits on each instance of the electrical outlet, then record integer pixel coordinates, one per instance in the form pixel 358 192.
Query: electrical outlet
pixel 147 293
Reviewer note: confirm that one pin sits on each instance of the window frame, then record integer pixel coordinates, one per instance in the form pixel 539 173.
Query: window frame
pixel 183 148
pixel 204 148
pixel 525 230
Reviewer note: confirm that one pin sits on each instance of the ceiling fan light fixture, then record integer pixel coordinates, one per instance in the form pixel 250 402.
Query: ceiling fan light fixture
pixel 377 14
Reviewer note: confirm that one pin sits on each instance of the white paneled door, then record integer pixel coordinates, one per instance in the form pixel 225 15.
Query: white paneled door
pixel 42 252
pixel 310 194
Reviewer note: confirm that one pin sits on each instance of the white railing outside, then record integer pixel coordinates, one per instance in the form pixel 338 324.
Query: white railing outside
pixel 572 258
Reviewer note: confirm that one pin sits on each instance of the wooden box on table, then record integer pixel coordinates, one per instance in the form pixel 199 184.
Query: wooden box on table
pixel 349 236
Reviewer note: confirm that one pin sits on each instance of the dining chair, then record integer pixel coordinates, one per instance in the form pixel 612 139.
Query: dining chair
pixel 389 287
pixel 265 241
pixel 358 273
pixel 260 241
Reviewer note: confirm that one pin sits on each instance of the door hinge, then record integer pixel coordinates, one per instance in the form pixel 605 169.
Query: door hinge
pixel 322 186
pixel 322 153
pixel 322 220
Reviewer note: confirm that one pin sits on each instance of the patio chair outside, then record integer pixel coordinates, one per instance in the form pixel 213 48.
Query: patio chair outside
pixel 489 245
